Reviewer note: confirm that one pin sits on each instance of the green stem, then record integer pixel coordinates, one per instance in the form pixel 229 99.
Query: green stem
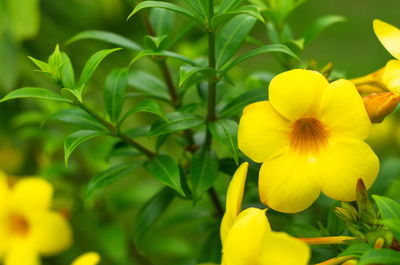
pixel 115 131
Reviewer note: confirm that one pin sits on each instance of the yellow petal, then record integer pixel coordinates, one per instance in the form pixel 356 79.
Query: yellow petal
pixel 343 162
pixel 90 258
pixel 342 111
pixel 391 75
pixel 22 254
pixel 289 183
pixel 296 93
pixel 262 131
pixel 243 242
pixel 234 199
pixel 282 249
pixel 31 194
pixel 389 36
pixel 51 233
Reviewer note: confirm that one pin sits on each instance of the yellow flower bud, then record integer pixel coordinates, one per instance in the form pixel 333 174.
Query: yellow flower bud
pixel 380 105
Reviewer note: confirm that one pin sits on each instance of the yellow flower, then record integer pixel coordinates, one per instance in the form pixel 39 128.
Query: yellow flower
pixel 28 227
pixel 389 36
pixel 247 238
pixel 310 138
pixel 90 258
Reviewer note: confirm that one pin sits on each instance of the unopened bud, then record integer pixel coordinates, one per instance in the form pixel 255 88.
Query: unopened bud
pixel 379 243
pixel 371 83
pixel 350 262
pixel 362 196
pixel 380 105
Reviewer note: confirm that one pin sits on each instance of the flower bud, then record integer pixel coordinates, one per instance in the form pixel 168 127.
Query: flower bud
pixel 371 83
pixel 380 105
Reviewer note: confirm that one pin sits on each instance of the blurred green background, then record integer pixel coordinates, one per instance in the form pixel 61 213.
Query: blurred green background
pixel 31 143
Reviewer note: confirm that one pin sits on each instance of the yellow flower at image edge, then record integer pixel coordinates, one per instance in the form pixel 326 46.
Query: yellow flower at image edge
pixel 90 258
pixel 246 235
pixel 310 138
pixel 28 227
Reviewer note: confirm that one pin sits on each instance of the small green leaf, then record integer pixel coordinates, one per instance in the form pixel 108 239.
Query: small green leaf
pixel 380 256
pixel 108 37
pixel 78 117
pixel 148 84
pixel 177 56
pixel 237 104
pixel 76 138
pixel 111 175
pixel 150 213
pixel 161 20
pixel 34 92
pixel 262 50
pixel 200 7
pixel 177 121
pixel 165 169
pixel 187 73
pixel 92 64
pixel 67 72
pixel 115 92
pixel 164 5
pixel 204 171
pixel 388 208
pixel 231 37
pixel 42 65
pixel 355 250
pixel 225 131
pixel 227 5
pixel 249 10
pixel 320 25
pixel 149 106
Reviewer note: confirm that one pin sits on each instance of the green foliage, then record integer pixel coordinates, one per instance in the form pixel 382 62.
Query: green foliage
pixel 380 256
pixel 115 92
pixel 34 92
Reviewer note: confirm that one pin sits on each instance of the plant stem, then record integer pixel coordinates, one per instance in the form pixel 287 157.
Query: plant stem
pixel 115 131
pixel 212 82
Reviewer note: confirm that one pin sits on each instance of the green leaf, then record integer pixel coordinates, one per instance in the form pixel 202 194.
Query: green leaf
pixel 76 138
pixel 148 84
pixel 67 72
pixel 237 104
pixel 111 175
pixel 42 65
pixel 165 169
pixel 177 121
pixel 164 5
pixel 78 118
pixel 150 213
pixel 225 131
pixel 388 208
pixel 380 256
pixel 227 5
pixel 249 10
pixel 201 7
pixel 149 106
pixel 115 92
pixel 92 64
pixel 161 20
pixel 320 25
pixel 355 250
pixel 231 37
pixel 262 50
pixel 204 171
pixel 187 73
pixel 394 227
pixel 108 37
pixel 177 56
pixel 34 92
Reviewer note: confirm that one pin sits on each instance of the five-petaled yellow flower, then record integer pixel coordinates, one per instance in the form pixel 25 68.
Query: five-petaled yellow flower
pixel 246 235
pixel 310 138
pixel 28 227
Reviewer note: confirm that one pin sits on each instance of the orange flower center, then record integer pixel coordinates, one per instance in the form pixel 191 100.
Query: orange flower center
pixel 308 135
pixel 18 225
